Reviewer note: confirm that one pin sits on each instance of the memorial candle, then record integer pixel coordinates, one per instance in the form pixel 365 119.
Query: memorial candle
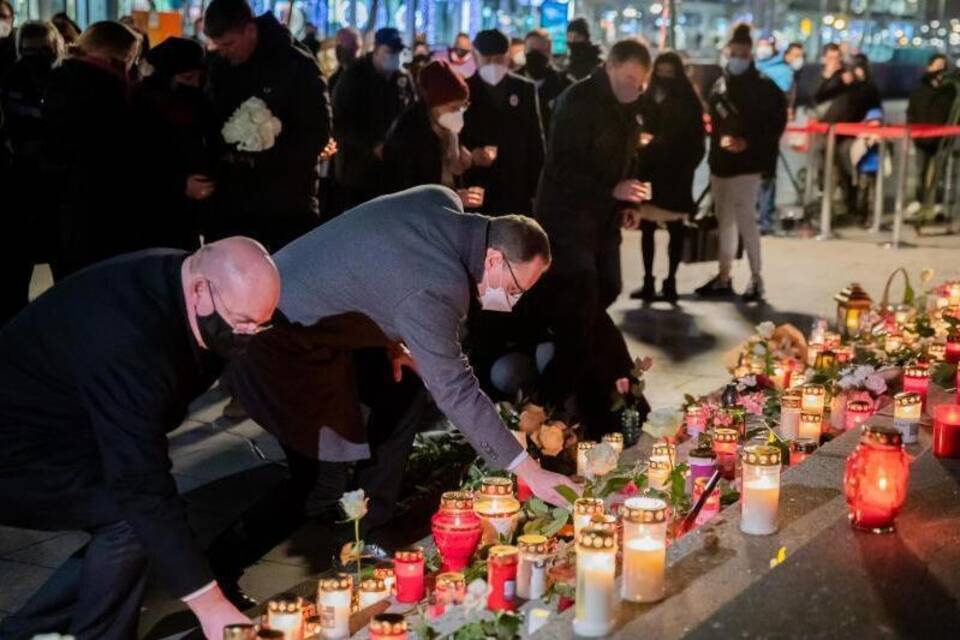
pixel 408 566
pixel 532 570
pixel 760 498
pixel 662 449
pixel 644 549
pixel 450 589
pixel 497 509
pixel 583 510
pixel 725 446
pixel 456 530
pixel 615 440
pixel 372 591
pixel 658 473
pixel 239 632
pixel 388 626
pixel 385 571
pixel 812 399
pixel 907 411
pixel 502 561
pixel 946 431
pixel 857 414
pixel 916 378
pixel 801 449
pixel 285 614
pixel 790 414
pixel 702 462
pixel 712 506
pixel 811 426
pixel 937 351
pixel 596 601
pixel 582 449
pixel 952 355
pixel 875 479
pixel 695 420
pixel 813 350
pixel 333 606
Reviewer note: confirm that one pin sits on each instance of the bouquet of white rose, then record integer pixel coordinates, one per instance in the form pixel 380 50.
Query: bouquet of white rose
pixel 252 127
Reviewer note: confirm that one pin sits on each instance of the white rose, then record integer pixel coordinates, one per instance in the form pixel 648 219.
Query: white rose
pixel 876 384
pixel 765 330
pixel 663 423
pixel 601 460
pixel 354 504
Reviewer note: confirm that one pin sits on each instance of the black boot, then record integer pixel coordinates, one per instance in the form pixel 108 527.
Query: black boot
pixel 648 292
pixel 669 290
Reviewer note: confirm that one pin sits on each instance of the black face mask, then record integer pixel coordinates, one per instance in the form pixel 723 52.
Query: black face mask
pixel 537 64
pixel 219 337
pixel 345 57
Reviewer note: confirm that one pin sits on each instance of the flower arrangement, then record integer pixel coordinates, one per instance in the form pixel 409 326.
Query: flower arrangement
pixel 252 127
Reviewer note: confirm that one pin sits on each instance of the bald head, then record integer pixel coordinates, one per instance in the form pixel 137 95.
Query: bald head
pixel 234 277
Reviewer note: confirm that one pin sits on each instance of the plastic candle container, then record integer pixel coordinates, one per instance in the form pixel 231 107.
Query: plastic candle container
pixel 712 506
pixel 702 462
pixel 760 498
pixel 811 426
pixel 408 566
pixel 644 549
pixel 916 378
pixel 372 591
pixel 946 431
pixel 725 446
pixel 597 600
pixel 239 632
pixel 456 530
pixel 695 420
pixel 450 589
pixel 907 410
pixel 801 449
pixel 812 399
pixel 385 571
pixel 615 440
pixel 662 449
pixel 583 510
pixel 875 479
pixel 532 570
pixel 582 449
pixel 813 350
pixel 952 354
pixel 388 626
pixel 937 351
pixel 658 473
pixel 857 414
pixel 497 509
pixel 502 561
pixel 333 606
pixel 790 414
pixel 285 614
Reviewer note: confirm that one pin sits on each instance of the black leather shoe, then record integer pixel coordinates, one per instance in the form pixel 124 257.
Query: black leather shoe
pixel 716 288
pixel 669 290
pixel 648 292
pixel 237 596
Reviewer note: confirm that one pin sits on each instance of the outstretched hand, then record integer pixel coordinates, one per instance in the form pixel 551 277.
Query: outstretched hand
pixel 543 483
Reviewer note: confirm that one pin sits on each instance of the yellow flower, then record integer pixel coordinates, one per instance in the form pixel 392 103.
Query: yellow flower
pixel 550 438
pixel 926 275
pixel 531 418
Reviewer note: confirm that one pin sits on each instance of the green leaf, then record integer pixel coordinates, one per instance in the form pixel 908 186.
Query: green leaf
pixel 560 518
pixel 538 507
pixel 566 493
pixel 535 525
pixel 613 485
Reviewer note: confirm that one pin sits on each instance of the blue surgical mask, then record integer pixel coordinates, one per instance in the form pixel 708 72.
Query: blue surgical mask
pixel 738 66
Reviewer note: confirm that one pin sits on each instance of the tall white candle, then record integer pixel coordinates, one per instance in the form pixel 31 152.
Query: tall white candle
pixel 372 591
pixel 907 409
pixel 810 427
pixel 333 607
pixel 790 416
pixel 583 510
pixel 597 602
pixel 644 549
pixel 285 614
pixel 532 569
pixel 658 473
pixel 760 498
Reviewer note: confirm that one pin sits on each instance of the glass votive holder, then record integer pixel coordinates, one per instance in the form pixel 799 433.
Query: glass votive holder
pixel 372 591
pixel 334 599
pixel 857 413
pixel 408 565
pixel 760 498
pixel 725 445
pixel 875 479
pixel 916 378
pixel 811 426
pixel 790 403
pixel 502 564
pixel 497 508
pixel 285 614
pixel 907 411
pixel 813 396
pixel 596 599
pixel 946 431
pixel 583 510
pixel 644 549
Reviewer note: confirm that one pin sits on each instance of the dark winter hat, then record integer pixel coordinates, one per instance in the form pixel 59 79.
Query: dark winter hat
pixel 440 84
pixel 579 25
pixel 741 35
pixel 491 42
pixel 176 55
pixel 390 37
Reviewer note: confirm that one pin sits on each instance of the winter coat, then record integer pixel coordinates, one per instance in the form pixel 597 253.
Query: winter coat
pixel 412 152
pixel 931 104
pixel 508 117
pixel 748 106
pixel 590 149
pixel 549 87
pixel 280 182
pixel 365 104
pixel 675 119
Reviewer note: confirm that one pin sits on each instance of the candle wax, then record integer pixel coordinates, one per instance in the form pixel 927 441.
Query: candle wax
pixel 644 562
pixel 789 423
pixel 759 502
pixel 596 596
pixel 334 612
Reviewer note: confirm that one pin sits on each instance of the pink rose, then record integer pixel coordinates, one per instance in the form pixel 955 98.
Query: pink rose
pixel 623 386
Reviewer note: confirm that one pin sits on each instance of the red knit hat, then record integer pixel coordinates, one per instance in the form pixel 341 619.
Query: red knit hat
pixel 440 84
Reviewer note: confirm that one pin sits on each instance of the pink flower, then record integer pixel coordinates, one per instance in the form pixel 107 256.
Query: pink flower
pixel 753 403
pixel 630 490
pixel 623 386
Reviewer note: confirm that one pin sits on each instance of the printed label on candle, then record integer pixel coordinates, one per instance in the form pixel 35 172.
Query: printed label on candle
pixel 509 590
pixel 909 430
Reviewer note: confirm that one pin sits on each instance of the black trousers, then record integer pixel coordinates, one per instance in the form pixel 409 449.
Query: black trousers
pixel 396 414
pixel 95 595
pixel 648 229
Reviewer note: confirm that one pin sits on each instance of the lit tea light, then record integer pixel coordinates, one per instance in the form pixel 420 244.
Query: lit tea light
pixel 812 399
pixel 916 378
pixel 372 591
pixel 583 510
pixel 760 499
pixel 875 479
pixel 907 411
pixel 790 404
pixel 952 355
pixel 502 563
pixel 456 530
pixel 497 509
pixel 644 549
pixel 658 473
pixel 857 414
pixel 712 506
pixel 450 589
pixel 596 599
pixel 946 431
pixel 801 449
pixel 615 440
pixel 725 444
pixel 583 465
pixel 388 626
pixel 334 598
pixel 695 420
pixel 813 350
pixel 811 426
pixel 285 614
pixel 532 570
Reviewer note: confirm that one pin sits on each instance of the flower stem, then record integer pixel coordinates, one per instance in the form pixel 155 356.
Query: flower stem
pixel 356 538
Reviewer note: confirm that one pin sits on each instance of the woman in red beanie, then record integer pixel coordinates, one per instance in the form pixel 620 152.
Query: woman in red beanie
pixel 423 145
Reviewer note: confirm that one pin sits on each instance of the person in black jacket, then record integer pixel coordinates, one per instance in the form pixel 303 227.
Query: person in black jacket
pixel 31 226
pixel 93 375
pixel 502 127
pixel 348 48
pixel 583 57
pixel 90 146
pixel 270 195
pixel 669 149
pixel 370 95
pixel 585 179
pixel 539 68
pixel 930 103
pixel 422 146
pixel 749 114
pixel 173 114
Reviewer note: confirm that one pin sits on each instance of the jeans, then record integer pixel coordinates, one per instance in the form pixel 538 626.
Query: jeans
pixel 767 203
pixel 735 202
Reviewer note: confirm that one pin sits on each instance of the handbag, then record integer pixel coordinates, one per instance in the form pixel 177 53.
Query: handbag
pixel 702 235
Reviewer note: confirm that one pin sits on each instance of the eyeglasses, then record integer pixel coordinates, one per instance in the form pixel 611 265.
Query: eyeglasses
pixel 512 275
pixel 245 325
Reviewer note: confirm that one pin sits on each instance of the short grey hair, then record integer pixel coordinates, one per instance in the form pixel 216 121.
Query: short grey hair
pixel 519 238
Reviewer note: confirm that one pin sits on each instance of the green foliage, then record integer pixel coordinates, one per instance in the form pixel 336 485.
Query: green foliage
pixel 477 570
pixel 944 375
pixel 422 628
pixel 559 590
pixel 728 494
pixel 566 493
pixel 544 520
pixel 504 626
pixel 432 561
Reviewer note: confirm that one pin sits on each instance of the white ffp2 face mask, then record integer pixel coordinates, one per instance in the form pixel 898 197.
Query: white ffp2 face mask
pixel 451 121
pixel 492 74
pixel 6 28
pixel 497 298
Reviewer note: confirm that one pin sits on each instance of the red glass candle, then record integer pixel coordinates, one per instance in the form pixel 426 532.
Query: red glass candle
pixel 695 420
pixel 953 350
pixel 916 379
pixel 502 562
pixel 456 530
pixel 712 506
pixel 408 566
pixel 388 626
pixel 451 588
pixel 801 449
pixel 946 431
pixel 524 492
pixel 958 385
pixel 875 479
pixel 858 412
pixel 725 442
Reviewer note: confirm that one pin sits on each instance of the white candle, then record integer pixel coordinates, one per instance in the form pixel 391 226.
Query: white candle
pixel 810 427
pixel 790 416
pixel 372 591
pixel 813 398
pixel 615 440
pixel 907 409
pixel 285 614
pixel 644 549
pixel 532 569
pixel 333 607
pixel 498 509
pixel 583 510
pixel 658 473
pixel 596 606
pixel 761 490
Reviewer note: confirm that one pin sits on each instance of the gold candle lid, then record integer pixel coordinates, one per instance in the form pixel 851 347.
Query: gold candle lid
pixel 588 506
pixel 663 449
pixel 811 417
pixel 585 445
pixel 907 399
pixel 413 554
pixel 615 437
pixel 804 445
pixel 502 552
pixel 603 521
pixel 338 582
pixel 373 584
pixel 761 455
pixel 917 370
pixel 937 350
pixel 791 400
pixel 388 624
pixel 533 543
pixel 451 580
pixel 456 501
pixel 880 435
pixel 859 406
pixel 285 603
pixel 659 464
pixel 597 539
pixel 814 389
pixel 239 632
pixel 496 486
pixel 722 434
pixel 384 570
pixel 645 510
